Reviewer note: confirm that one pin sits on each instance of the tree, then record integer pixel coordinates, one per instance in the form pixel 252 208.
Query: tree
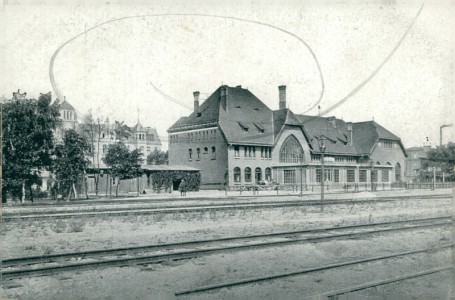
pixel 91 129
pixel 121 131
pixel 71 163
pixel 158 157
pixel 28 141
pixel 123 164
pixel 441 158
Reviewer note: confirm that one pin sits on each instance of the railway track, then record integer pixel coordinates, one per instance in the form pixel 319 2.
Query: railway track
pixel 50 264
pixel 344 293
pixel 149 209
pixel 209 288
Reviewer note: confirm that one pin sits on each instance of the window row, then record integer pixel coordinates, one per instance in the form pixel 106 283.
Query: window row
pixel 141 148
pixel 197 154
pixel 250 151
pixel 388 144
pixel 338 159
pixel 200 135
pixel 248 175
pixel 333 175
pixel 68 115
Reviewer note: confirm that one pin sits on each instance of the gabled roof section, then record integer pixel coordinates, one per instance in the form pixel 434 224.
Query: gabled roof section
pixel 335 130
pixel 137 127
pixel 284 118
pixel 66 105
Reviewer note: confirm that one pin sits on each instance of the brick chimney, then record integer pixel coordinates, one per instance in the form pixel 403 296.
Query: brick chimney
pixel 196 101
pixel 349 125
pixel 224 97
pixel 282 93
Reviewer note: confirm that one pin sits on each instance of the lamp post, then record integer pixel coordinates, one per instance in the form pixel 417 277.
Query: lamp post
pixel 440 132
pixel 322 146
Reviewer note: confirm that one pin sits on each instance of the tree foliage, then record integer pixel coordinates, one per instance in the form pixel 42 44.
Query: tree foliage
pixel 122 131
pixel 158 157
pixel 441 158
pixel 28 141
pixel 165 179
pixel 71 160
pixel 123 164
pixel 91 130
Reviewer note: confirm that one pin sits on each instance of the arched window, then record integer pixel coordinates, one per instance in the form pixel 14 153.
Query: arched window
pixel 190 154
pixel 268 174
pixel 258 174
pixel 213 153
pixel 247 174
pixel 291 151
pixel 397 172
pixel 237 175
pixel 198 153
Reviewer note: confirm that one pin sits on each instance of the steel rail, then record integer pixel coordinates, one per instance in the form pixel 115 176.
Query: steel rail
pixel 334 295
pixel 45 258
pixel 306 271
pixel 116 201
pixel 185 254
pixel 190 208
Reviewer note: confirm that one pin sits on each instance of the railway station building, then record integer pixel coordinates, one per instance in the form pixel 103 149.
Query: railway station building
pixel 234 139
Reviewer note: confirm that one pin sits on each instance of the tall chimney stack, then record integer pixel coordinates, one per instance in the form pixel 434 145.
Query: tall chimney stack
pixel 349 126
pixel 282 93
pixel 224 97
pixel 196 101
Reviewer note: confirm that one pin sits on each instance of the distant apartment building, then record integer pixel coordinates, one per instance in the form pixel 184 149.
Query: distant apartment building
pixel 145 139
pixel 416 156
pixel 235 139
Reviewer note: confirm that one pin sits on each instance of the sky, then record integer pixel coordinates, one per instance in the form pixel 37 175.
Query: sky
pixel 147 66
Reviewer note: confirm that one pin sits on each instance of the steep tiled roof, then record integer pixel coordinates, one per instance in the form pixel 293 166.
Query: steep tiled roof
pixel 137 127
pixel 208 113
pixel 244 119
pixel 66 105
pixel 150 131
pixel 335 130
pixel 255 117
pixel 366 135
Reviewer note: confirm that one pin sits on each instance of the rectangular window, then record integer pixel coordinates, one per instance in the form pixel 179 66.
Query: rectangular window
pixel 254 151
pixel 148 148
pixel 245 151
pixel 327 174
pixel 237 151
pixel 385 175
pixel 289 176
pixel 104 148
pixel 213 153
pixel 388 144
pixel 262 152
pixel 362 175
pixel 374 175
pixel 350 174
pixel 336 175
pixel 318 175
